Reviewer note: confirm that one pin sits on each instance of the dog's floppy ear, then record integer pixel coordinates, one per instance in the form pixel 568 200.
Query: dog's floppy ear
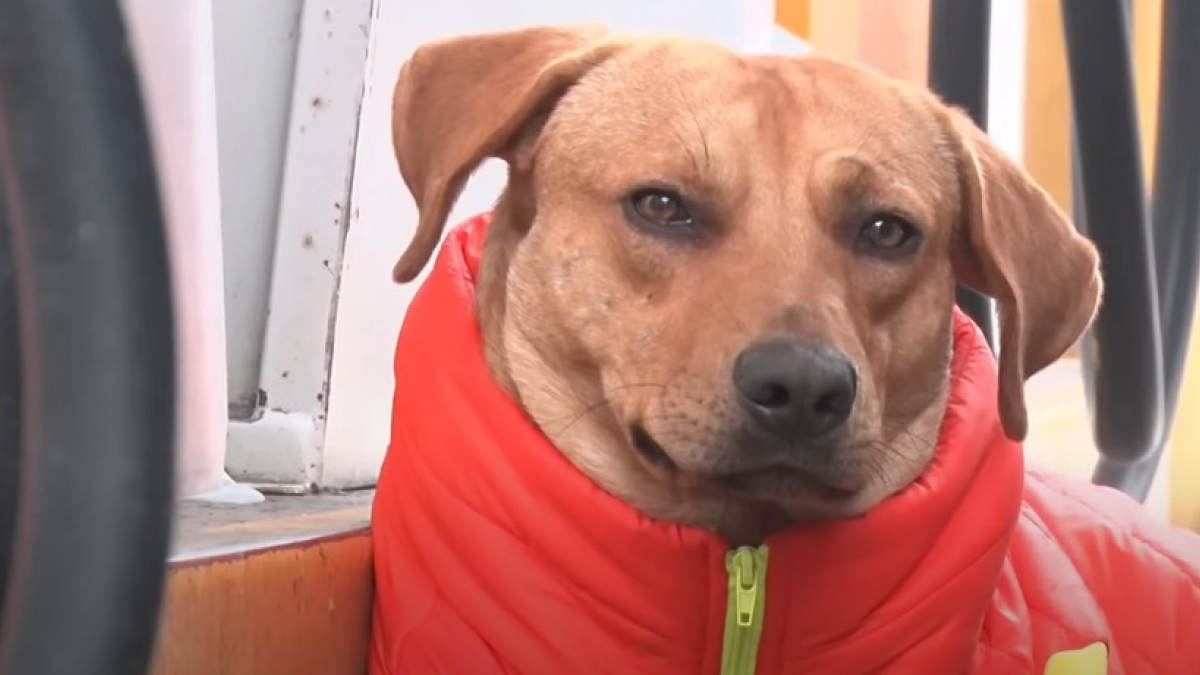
pixel 1017 246
pixel 462 100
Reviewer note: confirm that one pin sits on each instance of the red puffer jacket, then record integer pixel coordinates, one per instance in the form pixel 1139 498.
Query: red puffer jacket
pixel 494 556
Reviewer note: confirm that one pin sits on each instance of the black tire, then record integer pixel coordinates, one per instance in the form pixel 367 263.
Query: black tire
pixel 96 340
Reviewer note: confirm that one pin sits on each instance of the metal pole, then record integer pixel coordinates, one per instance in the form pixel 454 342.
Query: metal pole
pixel 10 404
pixel 1175 211
pixel 1127 380
pixel 959 34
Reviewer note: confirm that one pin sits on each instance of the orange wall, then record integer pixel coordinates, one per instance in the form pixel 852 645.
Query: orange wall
pixel 1047 147
pixel 889 35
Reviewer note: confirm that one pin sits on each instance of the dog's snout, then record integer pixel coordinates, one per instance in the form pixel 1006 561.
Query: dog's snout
pixel 794 388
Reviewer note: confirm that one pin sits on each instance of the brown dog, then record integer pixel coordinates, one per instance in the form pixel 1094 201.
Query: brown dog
pixel 722 285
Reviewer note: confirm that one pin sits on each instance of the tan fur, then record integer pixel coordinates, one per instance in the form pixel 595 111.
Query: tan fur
pixel 593 326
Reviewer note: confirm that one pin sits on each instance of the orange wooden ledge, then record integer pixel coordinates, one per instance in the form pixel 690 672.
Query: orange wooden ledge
pixel 281 587
pixel 298 609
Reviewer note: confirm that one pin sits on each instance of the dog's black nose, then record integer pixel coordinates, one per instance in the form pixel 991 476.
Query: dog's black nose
pixel 794 388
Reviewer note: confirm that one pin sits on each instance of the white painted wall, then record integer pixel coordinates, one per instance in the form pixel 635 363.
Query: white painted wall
pixel 284 444
pixel 255 59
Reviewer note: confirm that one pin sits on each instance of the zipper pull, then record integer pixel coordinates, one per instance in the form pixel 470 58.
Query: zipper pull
pixel 746 586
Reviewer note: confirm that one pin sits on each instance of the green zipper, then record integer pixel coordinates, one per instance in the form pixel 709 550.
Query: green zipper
pixel 747 568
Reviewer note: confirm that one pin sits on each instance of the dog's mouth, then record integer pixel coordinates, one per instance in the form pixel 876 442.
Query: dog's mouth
pixel 649 449
pixel 777 480
pixel 787 481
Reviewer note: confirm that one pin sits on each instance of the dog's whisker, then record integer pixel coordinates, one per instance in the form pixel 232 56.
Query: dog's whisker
pixel 602 403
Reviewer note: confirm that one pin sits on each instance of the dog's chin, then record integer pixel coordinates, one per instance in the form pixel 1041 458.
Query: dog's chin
pixel 804 493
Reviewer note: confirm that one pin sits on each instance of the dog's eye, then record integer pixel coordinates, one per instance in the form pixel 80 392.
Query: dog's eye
pixel 660 207
pixel 885 233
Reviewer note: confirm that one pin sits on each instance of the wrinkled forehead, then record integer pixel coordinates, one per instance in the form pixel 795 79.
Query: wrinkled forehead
pixel 691 111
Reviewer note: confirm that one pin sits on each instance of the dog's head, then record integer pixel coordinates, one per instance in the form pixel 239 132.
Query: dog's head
pixel 723 284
